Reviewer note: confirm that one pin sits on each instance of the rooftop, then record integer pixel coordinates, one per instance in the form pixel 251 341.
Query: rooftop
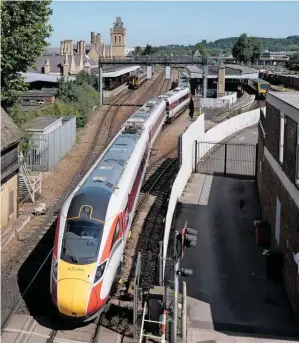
pixel 231 70
pixel 291 98
pixel 41 123
pixel 10 132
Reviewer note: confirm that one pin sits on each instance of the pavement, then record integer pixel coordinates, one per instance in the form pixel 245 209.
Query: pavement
pixel 229 295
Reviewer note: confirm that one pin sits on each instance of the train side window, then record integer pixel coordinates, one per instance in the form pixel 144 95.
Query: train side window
pixel 116 233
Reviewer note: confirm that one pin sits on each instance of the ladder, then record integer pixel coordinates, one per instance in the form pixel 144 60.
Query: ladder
pixel 28 184
pixel 162 338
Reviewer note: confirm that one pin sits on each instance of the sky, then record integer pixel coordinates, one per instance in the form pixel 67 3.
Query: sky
pixel 171 22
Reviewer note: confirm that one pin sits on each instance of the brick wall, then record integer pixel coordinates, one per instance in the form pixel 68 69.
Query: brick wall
pixel 290 145
pixel 272 130
pixel 289 233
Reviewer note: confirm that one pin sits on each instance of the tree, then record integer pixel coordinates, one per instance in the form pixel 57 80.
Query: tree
pixel 87 78
pixel 246 49
pixel 24 32
pixel 255 47
pixel 149 50
pixel 137 51
pixel 293 63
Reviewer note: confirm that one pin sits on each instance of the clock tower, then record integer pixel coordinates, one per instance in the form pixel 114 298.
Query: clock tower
pixel 118 38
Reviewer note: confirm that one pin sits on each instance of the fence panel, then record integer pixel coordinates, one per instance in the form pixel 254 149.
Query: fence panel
pixel 226 158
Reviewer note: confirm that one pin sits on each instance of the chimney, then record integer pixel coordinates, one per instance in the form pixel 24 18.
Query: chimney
pixel 70 47
pixel 61 48
pixel 81 47
pixel 99 39
pixel 47 66
pixel 93 38
pixel 86 67
pixel 66 66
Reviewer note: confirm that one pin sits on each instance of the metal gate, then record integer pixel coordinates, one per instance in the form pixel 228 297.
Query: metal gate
pixel 231 159
pixel 37 155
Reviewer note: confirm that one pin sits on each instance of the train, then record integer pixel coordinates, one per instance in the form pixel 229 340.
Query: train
pixel 176 101
pixel 259 86
pixel 135 81
pixel 95 220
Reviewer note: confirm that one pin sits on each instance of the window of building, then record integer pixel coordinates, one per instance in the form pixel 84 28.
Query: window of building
pixel 114 39
pixel 10 203
pixel 281 137
pixel 119 39
pixel 277 220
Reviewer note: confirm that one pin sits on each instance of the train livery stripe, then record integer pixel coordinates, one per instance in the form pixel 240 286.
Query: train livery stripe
pixel 74 288
pixel 108 247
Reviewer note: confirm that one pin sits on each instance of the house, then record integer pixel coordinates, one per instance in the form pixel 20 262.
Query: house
pixel 278 182
pixel 11 136
pixel 70 59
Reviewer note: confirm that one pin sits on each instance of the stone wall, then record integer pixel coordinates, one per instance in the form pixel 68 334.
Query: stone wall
pixel 271 187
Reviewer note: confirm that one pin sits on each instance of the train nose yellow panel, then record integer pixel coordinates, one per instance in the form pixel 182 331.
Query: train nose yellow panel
pixel 73 297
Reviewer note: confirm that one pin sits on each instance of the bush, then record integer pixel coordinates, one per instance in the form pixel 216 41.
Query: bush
pixel 81 92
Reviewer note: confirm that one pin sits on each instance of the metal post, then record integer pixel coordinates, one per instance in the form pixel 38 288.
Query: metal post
pixel 136 294
pixel 256 159
pixel 225 157
pixel 195 167
pixel 205 79
pixel 160 263
pixel 184 313
pixel 176 290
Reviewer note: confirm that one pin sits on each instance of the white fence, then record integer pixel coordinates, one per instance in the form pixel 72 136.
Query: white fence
pixel 224 102
pixel 195 132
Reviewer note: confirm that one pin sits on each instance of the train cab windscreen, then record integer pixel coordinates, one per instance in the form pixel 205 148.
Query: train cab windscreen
pixel 81 241
pixel 264 86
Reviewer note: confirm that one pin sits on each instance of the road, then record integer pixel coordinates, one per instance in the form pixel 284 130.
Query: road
pixel 229 290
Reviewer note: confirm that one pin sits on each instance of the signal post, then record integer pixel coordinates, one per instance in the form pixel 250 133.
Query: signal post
pixel 185 238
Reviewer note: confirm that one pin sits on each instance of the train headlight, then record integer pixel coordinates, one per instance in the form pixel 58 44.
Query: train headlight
pixel 55 269
pixel 100 271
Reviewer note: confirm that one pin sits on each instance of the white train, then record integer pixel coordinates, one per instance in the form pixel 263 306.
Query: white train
pixel 95 220
pixel 176 101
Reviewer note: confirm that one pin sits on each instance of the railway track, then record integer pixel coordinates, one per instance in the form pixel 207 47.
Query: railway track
pixel 26 282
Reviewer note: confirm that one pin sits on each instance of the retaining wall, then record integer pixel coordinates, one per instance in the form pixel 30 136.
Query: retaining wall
pixel 195 132
pixel 224 102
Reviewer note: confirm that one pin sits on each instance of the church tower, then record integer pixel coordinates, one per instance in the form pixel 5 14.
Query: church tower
pixel 118 38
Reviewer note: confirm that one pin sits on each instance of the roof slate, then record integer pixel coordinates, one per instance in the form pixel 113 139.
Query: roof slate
pixel 10 132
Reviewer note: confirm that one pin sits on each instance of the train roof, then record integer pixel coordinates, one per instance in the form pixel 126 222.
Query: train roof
pixel 146 110
pixel 260 81
pixel 172 92
pixel 108 171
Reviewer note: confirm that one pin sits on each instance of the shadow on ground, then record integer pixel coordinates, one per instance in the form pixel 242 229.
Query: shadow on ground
pixel 229 286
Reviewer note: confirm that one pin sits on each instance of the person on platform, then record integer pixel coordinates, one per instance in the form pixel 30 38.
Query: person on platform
pixel 191 108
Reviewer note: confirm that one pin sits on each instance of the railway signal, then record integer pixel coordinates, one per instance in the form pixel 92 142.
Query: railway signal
pixel 186 238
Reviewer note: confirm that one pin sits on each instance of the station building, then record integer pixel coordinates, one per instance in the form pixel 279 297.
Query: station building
pixel 235 75
pixel 11 136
